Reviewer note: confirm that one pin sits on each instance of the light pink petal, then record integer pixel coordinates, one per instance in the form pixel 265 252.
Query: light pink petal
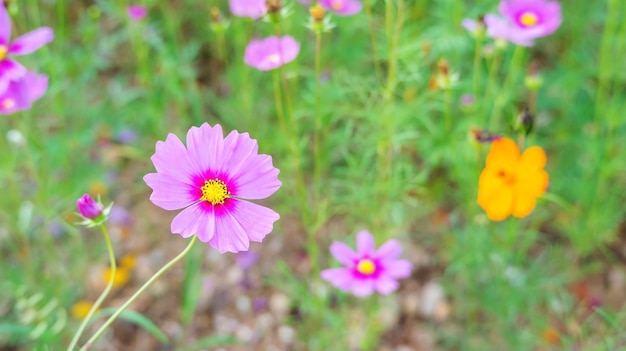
pixel 169 192
pixel 289 49
pixel 389 250
pixel 10 71
pixel 189 221
pixel 341 278
pixel 259 180
pixel 470 24
pixel 497 27
pixel 343 253
pixel 238 150
pixel 5 26
pixel 206 230
pixel 399 269
pixel 362 287
pixel 365 243
pixel 205 146
pixel 257 221
pixel 171 158
pixel 31 41
pixel 229 236
pixel 385 285
pixel 15 97
pixel 37 85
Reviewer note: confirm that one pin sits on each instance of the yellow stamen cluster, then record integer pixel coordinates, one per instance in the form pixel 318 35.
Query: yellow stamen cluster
pixel 366 267
pixel 528 19
pixel 3 52
pixel 215 192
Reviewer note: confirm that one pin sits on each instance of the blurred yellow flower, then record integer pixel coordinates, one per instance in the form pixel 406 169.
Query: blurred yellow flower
pixel 122 275
pixel 81 309
pixel 128 261
pixel 510 182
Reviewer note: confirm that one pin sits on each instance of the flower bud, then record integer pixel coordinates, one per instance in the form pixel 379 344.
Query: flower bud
pixel 89 208
pixel 317 12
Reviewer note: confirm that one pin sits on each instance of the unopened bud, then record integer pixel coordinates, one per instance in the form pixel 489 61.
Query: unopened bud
pixel 524 122
pixel 317 12
pixel 443 67
pixel 215 14
pixel 273 6
pixel 88 207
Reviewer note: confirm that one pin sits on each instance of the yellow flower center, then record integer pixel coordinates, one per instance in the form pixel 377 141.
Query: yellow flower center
pixel 7 103
pixel 507 177
pixel 337 5
pixel 215 191
pixel 3 52
pixel 366 267
pixel 274 58
pixel 528 19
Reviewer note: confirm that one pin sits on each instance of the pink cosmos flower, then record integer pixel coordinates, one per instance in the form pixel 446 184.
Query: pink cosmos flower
pixel 27 43
pixel 342 7
pixel 524 20
pixel 254 9
pixel 136 12
pixel 88 207
pixel 271 52
pixel 367 270
pixel 21 93
pixel 208 179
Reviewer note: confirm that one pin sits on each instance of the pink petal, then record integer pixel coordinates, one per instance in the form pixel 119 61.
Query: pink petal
pixel 5 26
pixel 31 41
pixel 205 146
pixel 230 235
pixel 341 278
pixel 259 180
pixel 10 71
pixel 256 220
pixel 239 148
pixel 389 250
pixel 362 287
pixel 470 25
pixel 169 192
pixel 385 285
pixel 38 85
pixel 171 158
pixel 343 253
pixel 189 221
pixel 365 245
pixel 399 269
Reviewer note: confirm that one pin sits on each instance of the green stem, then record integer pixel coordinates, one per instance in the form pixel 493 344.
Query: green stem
pixel 104 294
pixel 370 22
pixel 145 286
pixel 491 81
pixel 477 53
pixel 317 162
pixel 511 77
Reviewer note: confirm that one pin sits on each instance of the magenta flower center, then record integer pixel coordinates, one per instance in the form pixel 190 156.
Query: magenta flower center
pixel 215 191
pixel 528 19
pixel 366 266
pixel 3 52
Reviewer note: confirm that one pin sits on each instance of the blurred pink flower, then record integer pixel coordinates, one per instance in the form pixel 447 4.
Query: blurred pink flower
pixel 271 52
pixel 208 179
pixel 11 70
pixel 88 207
pixel 342 7
pixel 524 20
pixel 367 270
pixel 136 12
pixel 21 93
pixel 254 9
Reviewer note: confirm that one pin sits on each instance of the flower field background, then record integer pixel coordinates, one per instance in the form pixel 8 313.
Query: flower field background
pixel 452 175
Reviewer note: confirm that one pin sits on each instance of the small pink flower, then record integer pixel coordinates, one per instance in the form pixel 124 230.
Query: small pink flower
pixel 21 93
pixel 254 9
pixel 89 208
pixel 367 270
pixel 272 52
pixel 209 179
pixel 342 7
pixel 524 20
pixel 11 70
pixel 136 12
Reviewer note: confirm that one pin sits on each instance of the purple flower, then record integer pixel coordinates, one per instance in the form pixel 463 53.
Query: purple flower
pixel 136 12
pixel 342 7
pixel 367 270
pixel 524 20
pixel 208 179
pixel 247 259
pixel 21 93
pixel 248 8
pixel 271 52
pixel 88 207
pixel 11 70
pixel 467 99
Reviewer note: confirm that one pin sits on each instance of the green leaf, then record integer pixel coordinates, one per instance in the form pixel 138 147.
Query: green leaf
pixel 212 341
pixel 139 319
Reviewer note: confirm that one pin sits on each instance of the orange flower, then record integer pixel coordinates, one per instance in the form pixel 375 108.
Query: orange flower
pixel 81 309
pixel 510 182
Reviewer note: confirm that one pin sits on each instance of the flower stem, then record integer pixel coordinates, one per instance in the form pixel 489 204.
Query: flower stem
pixel 104 294
pixel 317 162
pixel 145 286
pixel 477 52
pixel 511 77
pixel 368 11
